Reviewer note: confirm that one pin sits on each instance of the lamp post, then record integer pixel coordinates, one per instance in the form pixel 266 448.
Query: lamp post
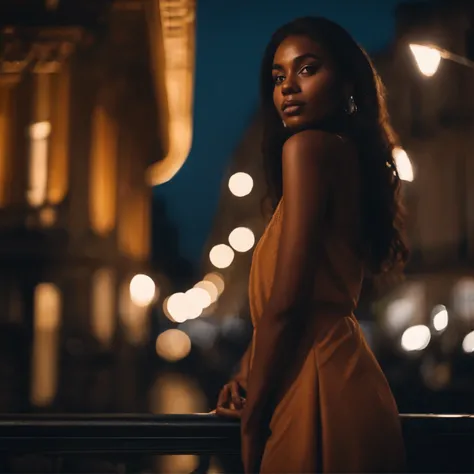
pixel 428 58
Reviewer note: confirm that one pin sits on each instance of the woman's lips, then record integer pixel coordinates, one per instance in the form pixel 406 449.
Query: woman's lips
pixel 293 109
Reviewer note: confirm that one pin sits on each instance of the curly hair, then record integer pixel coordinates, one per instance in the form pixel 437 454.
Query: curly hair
pixel 382 216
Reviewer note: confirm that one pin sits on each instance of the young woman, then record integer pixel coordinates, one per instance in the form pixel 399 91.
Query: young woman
pixel 316 399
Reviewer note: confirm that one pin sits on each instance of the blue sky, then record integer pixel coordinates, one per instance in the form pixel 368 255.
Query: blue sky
pixel 231 37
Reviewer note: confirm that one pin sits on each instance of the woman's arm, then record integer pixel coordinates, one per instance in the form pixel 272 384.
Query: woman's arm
pixel 241 376
pixel 231 398
pixel 307 164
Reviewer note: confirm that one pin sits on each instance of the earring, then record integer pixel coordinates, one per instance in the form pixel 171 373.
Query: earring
pixel 283 122
pixel 351 108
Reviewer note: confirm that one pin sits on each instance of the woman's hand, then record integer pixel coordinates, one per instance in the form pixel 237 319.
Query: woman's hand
pixel 230 403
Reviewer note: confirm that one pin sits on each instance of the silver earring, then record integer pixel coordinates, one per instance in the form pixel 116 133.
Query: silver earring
pixel 283 122
pixel 351 108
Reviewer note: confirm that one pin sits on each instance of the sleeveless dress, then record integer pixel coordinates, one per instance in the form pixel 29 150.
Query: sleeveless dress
pixel 335 412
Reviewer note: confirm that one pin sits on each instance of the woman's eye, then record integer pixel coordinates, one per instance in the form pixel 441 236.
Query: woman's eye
pixel 309 69
pixel 278 79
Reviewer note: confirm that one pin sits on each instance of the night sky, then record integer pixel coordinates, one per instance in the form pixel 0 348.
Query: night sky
pixel 231 37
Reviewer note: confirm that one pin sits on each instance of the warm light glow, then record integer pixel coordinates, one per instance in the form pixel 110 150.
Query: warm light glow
pixel 40 130
pixel 210 288
pixel 47 318
pixel 217 280
pixel 403 164
pixel 399 314
pixel 199 297
pixel 181 308
pixel 103 171
pixel 468 343
pixel 38 163
pixel 6 142
pixel 135 319
pixel 221 256
pixel 176 307
pixel 47 307
pixel 59 155
pixel 416 338
pixel 240 184
pixel 142 290
pixel 171 29
pixel 165 309
pixel 427 58
pixel 463 298
pixel 242 239
pixel 440 317
pixel 52 4
pixel 404 310
pixel 173 345
pixel 47 216
pixel 103 307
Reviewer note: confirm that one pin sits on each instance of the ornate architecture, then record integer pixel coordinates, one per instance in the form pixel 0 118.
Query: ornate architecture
pixel 92 101
pixel 175 33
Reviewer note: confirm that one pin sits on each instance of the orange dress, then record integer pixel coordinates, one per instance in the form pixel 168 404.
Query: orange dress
pixel 335 412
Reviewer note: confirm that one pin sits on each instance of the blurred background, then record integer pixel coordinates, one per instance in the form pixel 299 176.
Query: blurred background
pixel 130 191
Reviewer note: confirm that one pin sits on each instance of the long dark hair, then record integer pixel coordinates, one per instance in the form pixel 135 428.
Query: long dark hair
pixel 382 211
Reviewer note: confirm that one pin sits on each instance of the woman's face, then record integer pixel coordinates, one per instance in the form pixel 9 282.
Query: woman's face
pixel 306 88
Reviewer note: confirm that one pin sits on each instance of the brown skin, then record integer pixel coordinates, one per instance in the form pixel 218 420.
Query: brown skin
pixel 305 73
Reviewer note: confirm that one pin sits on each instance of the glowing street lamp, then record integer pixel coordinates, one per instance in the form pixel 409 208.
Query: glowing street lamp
pixel 428 58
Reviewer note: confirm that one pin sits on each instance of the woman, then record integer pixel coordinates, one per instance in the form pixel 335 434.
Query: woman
pixel 316 399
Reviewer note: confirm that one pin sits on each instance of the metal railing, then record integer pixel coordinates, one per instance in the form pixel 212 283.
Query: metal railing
pixel 435 443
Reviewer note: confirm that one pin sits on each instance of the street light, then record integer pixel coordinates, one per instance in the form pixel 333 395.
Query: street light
pixel 428 57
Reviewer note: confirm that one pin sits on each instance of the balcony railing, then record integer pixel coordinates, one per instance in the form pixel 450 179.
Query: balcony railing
pixel 435 443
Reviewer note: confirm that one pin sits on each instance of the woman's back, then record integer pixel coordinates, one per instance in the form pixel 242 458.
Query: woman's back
pixel 333 403
pixel 339 267
pixel 337 261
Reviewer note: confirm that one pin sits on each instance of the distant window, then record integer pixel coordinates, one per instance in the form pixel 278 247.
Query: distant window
pixel 103 306
pixel 38 163
pixel 45 356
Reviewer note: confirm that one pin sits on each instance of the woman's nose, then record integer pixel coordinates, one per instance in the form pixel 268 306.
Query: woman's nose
pixel 290 86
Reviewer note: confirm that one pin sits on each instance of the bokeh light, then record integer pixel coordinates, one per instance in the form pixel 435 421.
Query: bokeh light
pixel 211 289
pixel 199 297
pixel 221 256
pixel 40 130
pixel 416 338
pixel 427 58
pixel 440 317
pixel 142 290
pixel 217 280
pixel 463 298
pixel 240 184
pixel 242 239
pixel 403 164
pixel 173 345
pixel 468 343
pixel 165 309
pixel 182 308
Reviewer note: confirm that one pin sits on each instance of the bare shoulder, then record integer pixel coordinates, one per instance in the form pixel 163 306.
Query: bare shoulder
pixel 315 146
